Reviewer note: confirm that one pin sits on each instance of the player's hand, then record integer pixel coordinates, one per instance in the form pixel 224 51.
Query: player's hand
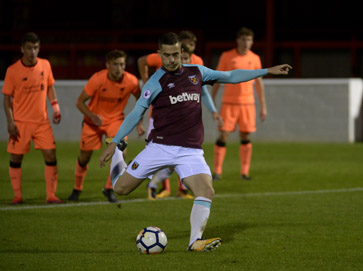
pixel 218 118
pixel 13 132
pixel 107 153
pixel 57 117
pixel 280 69
pixel 96 119
pixel 140 129
pixel 263 114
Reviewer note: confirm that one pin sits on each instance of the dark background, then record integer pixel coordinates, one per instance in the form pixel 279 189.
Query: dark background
pixel 320 38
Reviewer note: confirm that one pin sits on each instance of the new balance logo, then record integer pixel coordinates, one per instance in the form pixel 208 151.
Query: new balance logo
pixel 184 97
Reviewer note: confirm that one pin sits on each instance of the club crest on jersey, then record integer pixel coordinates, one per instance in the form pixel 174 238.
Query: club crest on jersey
pixel 193 79
pixel 134 166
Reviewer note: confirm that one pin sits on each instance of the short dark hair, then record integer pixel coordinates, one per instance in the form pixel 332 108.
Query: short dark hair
pixel 244 31
pixel 187 35
pixel 115 54
pixel 169 38
pixel 187 49
pixel 30 37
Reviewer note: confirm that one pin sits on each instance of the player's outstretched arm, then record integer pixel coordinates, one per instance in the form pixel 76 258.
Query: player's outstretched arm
pixel 207 100
pixel 279 69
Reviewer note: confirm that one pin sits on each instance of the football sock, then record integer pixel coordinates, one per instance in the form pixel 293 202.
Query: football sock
pixel 152 184
pixel 163 176
pixel 118 166
pixel 158 177
pixel 15 177
pixel 80 174
pixel 164 173
pixel 245 151
pixel 219 154
pixel 199 218
pixel 51 179
pixel 166 184
pixel 181 186
pixel 108 184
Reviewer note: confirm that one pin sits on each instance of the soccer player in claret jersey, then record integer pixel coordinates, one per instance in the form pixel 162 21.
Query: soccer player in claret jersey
pixel 153 60
pixel 175 141
pixel 107 92
pixel 238 103
pixel 146 64
pixel 27 84
pixel 164 174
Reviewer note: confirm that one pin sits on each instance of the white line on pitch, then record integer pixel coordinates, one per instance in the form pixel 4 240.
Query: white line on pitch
pixel 32 207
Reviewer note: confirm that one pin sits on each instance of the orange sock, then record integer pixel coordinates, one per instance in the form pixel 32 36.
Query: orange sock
pixel 15 177
pixel 245 152
pixel 219 154
pixel 166 184
pixel 181 187
pixel 79 176
pixel 108 184
pixel 51 180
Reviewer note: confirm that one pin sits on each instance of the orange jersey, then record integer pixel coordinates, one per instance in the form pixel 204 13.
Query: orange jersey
pixel 194 59
pixel 108 98
pixel 28 87
pixel 154 60
pixel 241 93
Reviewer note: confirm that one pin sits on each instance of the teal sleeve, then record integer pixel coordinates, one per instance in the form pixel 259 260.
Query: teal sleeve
pixel 149 92
pixel 238 76
pixel 130 122
pixel 207 99
pixel 230 77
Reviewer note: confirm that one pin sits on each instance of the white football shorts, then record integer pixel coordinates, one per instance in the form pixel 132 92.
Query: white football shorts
pixel 186 161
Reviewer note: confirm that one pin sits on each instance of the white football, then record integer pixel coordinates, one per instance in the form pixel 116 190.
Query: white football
pixel 151 240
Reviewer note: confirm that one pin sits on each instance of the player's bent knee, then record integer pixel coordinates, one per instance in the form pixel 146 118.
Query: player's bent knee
pixel 126 184
pixel 121 190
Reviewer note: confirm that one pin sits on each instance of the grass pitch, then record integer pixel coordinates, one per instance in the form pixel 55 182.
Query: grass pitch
pixel 302 211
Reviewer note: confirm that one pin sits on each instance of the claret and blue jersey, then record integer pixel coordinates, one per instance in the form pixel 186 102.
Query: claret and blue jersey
pixel 176 101
pixel 177 114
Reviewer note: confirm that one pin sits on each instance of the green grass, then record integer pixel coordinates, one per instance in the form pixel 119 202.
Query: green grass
pixel 302 211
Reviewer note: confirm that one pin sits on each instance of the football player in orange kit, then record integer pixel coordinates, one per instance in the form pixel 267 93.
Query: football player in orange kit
pixel 153 61
pixel 238 103
pixel 28 82
pixel 108 92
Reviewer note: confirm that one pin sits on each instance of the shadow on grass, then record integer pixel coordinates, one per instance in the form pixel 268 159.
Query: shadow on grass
pixel 226 231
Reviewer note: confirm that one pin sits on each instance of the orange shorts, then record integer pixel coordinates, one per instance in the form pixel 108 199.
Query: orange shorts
pixel 91 136
pixel 243 115
pixel 41 134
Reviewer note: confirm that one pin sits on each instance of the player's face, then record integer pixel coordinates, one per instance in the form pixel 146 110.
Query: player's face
pixel 244 43
pixel 170 56
pixel 116 68
pixel 185 58
pixel 30 52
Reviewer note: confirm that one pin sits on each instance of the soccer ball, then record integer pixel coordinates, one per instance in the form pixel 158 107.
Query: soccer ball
pixel 151 240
